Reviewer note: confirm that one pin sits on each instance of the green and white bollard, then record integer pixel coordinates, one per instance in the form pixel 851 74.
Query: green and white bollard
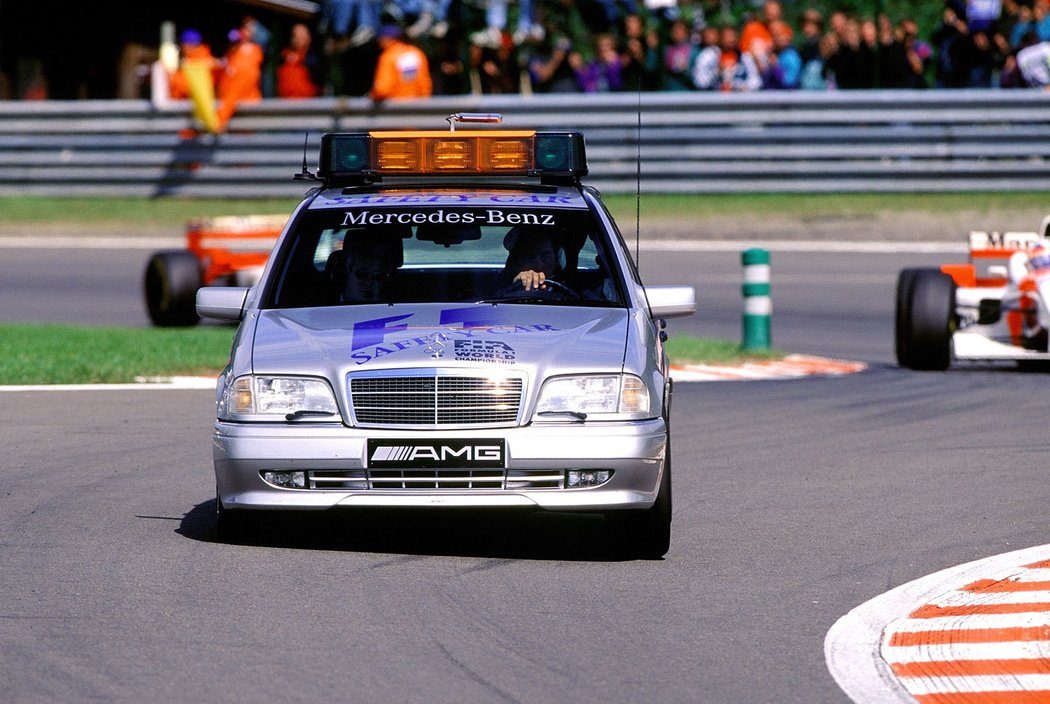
pixel 758 306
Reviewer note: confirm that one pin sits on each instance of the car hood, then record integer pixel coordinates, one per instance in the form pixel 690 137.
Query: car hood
pixel 538 340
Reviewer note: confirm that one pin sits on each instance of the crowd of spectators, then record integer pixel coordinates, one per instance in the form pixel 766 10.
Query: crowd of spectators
pixel 497 46
pixel 542 46
pixel 589 46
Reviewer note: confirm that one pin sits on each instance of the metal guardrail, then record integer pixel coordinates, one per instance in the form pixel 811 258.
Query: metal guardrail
pixel 857 141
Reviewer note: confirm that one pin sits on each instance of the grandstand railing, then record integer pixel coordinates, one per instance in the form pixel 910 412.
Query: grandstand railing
pixel 889 141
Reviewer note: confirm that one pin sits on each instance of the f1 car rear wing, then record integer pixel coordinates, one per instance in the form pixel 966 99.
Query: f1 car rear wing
pixel 227 244
pixel 989 252
pixel 999 245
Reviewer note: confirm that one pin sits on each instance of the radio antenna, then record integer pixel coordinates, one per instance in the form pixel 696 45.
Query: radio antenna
pixel 305 174
pixel 638 181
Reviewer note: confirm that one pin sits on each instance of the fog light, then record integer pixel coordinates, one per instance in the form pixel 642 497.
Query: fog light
pixel 588 477
pixel 287 480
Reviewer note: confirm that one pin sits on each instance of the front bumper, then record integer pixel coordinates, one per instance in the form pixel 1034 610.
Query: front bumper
pixel 633 452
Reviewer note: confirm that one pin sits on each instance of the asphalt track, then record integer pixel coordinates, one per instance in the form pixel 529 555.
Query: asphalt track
pixel 795 501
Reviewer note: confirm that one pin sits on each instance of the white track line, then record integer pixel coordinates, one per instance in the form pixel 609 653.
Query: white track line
pixel 816 246
pixel 983 683
pixel 174 383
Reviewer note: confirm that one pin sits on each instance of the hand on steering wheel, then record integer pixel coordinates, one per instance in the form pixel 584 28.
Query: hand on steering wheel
pixel 537 282
pixel 530 279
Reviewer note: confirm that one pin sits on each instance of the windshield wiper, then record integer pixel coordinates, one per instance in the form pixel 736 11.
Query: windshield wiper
pixel 515 299
pixel 301 413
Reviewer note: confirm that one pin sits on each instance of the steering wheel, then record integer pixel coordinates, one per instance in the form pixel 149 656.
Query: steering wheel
pixel 551 287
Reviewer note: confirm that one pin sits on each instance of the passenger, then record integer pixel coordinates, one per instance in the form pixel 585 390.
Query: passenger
pixel 369 262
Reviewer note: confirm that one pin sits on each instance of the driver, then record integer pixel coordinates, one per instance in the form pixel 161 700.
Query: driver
pixel 1028 270
pixel 533 257
pixel 1028 262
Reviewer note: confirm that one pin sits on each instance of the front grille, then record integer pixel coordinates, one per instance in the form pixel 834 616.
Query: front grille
pixel 458 480
pixel 433 398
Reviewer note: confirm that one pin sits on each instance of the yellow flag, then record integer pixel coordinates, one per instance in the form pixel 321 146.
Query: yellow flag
pixel 202 92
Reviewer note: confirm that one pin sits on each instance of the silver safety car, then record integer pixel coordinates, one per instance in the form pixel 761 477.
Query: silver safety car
pixel 449 319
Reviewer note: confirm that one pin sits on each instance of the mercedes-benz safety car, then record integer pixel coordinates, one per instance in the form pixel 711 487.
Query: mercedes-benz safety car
pixel 220 251
pixel 993 308
pixel 450 319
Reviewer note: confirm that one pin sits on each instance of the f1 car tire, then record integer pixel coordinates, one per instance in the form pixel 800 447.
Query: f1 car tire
pixel 901 338
pixel 925 319
pixel 170 284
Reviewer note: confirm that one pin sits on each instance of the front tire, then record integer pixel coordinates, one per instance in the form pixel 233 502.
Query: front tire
pixel 902 335
pixel 646 534
pixel 925 319
pixel 170 285
pixel 234 526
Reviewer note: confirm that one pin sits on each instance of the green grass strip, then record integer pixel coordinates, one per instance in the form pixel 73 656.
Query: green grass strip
pixel 685 349
pixel 32 353
pixel 175 211
pixel 39 353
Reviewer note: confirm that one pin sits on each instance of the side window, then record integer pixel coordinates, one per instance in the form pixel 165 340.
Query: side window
pixel 589 255
pixel 330 241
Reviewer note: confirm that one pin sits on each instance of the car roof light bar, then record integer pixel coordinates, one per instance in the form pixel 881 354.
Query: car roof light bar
pixel 361 158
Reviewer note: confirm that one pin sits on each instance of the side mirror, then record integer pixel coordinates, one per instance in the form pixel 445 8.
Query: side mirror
pixel 221 302
pixel 670 301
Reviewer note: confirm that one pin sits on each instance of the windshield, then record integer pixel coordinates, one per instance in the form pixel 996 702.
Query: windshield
pixel 355 256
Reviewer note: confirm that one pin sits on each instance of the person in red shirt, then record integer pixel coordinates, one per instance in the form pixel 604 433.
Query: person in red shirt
pixel 294 76
pixel 402 71
pixel 240 80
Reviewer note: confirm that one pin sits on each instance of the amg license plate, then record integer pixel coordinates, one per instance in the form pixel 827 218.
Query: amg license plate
pixel 490 453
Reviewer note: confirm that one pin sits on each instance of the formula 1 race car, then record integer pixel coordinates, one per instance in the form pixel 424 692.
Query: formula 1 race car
pixel 220 251
pixel 993 308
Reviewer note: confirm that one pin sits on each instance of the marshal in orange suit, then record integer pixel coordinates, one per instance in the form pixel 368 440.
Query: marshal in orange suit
pixel 402 71
pixel 240 79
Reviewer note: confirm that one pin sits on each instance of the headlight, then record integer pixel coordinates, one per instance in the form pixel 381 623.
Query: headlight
pixel 277 398
pixel 604 396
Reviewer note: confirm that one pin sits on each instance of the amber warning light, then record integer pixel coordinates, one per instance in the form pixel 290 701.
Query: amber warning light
pixel 371 156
